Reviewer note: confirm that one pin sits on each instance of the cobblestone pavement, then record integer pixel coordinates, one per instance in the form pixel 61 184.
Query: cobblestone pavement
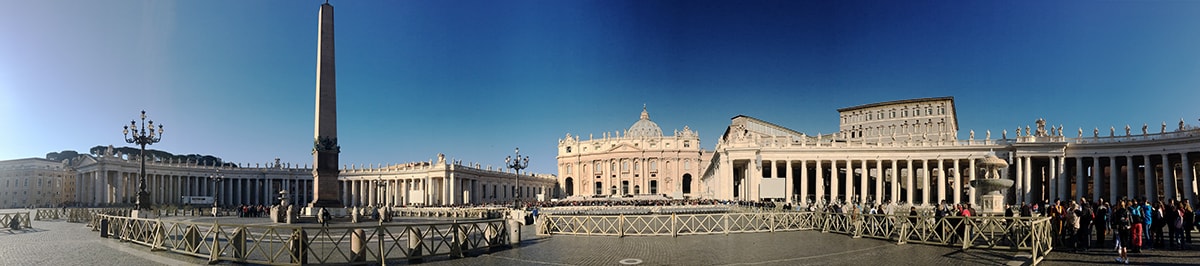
pixel 62 243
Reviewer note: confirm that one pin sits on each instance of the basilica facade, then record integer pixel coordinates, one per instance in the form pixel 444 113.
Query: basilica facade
pixel 905 151
pixel 638 161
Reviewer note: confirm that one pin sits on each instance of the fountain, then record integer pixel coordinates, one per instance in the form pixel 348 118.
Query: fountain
pixel 992 203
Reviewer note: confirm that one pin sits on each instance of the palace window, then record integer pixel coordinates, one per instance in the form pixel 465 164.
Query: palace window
pixel 624 166
pixel 568 169
pixel 568 149
pixel 636 166
pixel 687 144
pixel 687 164
pixel 653 166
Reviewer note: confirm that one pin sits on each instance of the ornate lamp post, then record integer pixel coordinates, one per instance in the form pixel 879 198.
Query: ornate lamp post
pixel 382 191
pixel 143 136
pixel 517 164
pixel 216 179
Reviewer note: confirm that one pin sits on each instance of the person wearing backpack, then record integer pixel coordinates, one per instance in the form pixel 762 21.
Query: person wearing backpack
pixel 1139 223
pixel 1156 229
pixel 1083 233
pixel 1121 223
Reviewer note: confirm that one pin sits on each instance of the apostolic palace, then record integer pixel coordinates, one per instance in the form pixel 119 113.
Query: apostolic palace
pixel 903 151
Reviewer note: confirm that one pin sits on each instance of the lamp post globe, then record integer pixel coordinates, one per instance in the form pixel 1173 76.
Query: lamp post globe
pixel 142 135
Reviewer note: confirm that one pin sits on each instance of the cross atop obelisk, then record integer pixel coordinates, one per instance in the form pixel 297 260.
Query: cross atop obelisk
pixel 326 192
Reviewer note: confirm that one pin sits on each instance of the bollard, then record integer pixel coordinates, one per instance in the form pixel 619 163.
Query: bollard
pixel 414 245
pixel 456 248
pixel 358 246
pixel 514 232
pixel 239 243
pixel 299 244
pixel 103 228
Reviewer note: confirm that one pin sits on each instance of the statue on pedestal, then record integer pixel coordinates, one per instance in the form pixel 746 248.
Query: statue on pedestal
pixel 1126 130
pixel 1144 126
pixel 1164 127
pixel 1096 132
pixel 972 134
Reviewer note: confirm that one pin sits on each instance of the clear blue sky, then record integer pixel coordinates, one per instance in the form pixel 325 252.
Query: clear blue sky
pixel 474 79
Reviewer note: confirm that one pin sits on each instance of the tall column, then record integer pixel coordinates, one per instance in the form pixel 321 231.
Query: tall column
pixel 1113 171
pixel 804 182
pixel 1079 183
pixel 787 180
pixel 863 181
pixel 1053 180
pixel 958 183
pixel 1151 191
pixel 971 178
pixel 908 195
pixel 925 182
pixel 941 190
pixel 820 184
pixel 1189 186
pixel 1097 186
pixel 1028 179
pixel 878 181
pixel 1168 177
pixel 1130 178
pixel 1062 177
pixel 1019 188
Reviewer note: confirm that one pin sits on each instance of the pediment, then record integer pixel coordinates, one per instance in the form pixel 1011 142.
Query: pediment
pixel 624 147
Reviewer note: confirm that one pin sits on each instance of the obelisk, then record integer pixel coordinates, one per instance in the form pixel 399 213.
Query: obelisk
pixel 326 192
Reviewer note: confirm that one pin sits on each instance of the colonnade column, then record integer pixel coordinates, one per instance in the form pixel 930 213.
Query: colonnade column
pixel 1052 180
pixel 1062 178
pixel 1189 188
pixel 879 181
pixel 941 191
pixel 788 179
pixel 1113 171
pixel 1019 187
pixel 1168 177
pixel 1096 172
pixel 1130 178
pixel 925 180
pixel 804 181
pixel 958 183
pixel 971 178
pixel 1148 171
pixel 833 181
pixel 908 195
pixel 820 184
pixel 1028 179
pixel 1079 183
pixel 863 181
pixel 895 191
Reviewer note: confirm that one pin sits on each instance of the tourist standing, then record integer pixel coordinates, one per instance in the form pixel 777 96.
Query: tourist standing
pixel 1122 223
pixel 1101 222
pixel 1085 216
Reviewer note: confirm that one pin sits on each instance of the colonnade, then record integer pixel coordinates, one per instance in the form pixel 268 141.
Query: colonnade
pixel 105 187
pixel 1164 175
pixel 922 181
pixel 434 191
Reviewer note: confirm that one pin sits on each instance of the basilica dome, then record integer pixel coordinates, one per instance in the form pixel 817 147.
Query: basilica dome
pixel 644 128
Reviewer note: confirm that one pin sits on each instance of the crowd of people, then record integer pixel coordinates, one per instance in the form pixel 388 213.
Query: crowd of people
pixel 1128 225
pixel 252 210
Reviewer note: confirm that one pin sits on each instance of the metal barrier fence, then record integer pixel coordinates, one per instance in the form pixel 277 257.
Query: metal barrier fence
pixel 295 244
pixel 479 213
pixel 21 217
pixel 1013 233
pixel 674 224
